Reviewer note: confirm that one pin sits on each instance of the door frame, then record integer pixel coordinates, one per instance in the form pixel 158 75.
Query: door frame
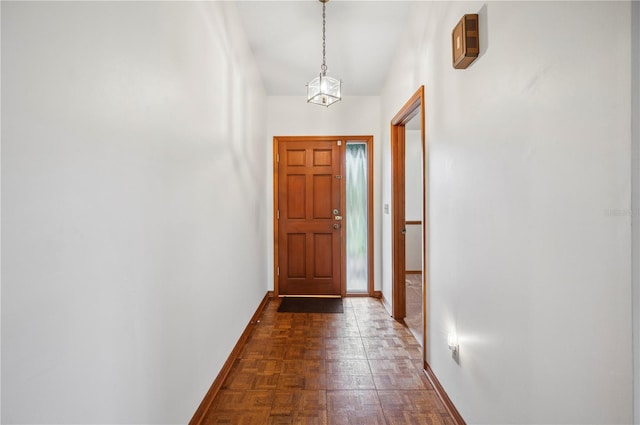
pixel 343 249
pixel 414 106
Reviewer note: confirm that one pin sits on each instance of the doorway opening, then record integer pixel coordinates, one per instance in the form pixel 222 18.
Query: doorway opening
pixel 408 211
pixel 414 193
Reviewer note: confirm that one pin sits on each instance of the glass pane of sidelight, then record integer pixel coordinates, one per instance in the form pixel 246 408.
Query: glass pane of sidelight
pixel 356 217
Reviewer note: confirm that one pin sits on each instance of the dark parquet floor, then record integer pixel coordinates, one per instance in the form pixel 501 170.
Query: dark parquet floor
pixel 360 367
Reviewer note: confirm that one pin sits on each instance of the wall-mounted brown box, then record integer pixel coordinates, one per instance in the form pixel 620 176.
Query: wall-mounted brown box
pixel 465 41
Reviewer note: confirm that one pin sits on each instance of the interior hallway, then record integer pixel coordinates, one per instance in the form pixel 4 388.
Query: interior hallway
pixel 360 367
pixel 137 197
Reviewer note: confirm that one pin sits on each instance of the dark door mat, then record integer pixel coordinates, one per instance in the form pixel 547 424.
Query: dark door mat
pixel 310 305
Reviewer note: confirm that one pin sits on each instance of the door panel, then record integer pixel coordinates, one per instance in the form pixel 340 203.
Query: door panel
pixel 323 243
pixel 296 196
pixel 309 189
pixel 322 204
pixel 297 243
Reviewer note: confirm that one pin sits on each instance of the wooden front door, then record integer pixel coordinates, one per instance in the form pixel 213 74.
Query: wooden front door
pixel 309 217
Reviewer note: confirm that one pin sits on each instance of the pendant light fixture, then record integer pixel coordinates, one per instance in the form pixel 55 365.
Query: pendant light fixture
pixel 324 90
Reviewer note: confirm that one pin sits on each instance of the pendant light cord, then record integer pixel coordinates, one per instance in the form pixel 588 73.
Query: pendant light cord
pixel 323 68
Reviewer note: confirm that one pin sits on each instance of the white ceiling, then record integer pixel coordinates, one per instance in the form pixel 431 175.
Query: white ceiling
pixel 286 39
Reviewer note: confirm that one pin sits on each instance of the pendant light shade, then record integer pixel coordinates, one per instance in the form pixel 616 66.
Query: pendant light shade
pixel 324 90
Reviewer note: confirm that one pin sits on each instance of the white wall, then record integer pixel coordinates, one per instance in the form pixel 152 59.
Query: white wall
pixel 133 208
pixel 353 116
pixel 413 175
pixel 529 187
pixel 413 198
pixel 635 200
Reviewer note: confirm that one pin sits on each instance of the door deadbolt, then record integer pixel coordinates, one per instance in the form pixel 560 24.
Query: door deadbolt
pixel 335 211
